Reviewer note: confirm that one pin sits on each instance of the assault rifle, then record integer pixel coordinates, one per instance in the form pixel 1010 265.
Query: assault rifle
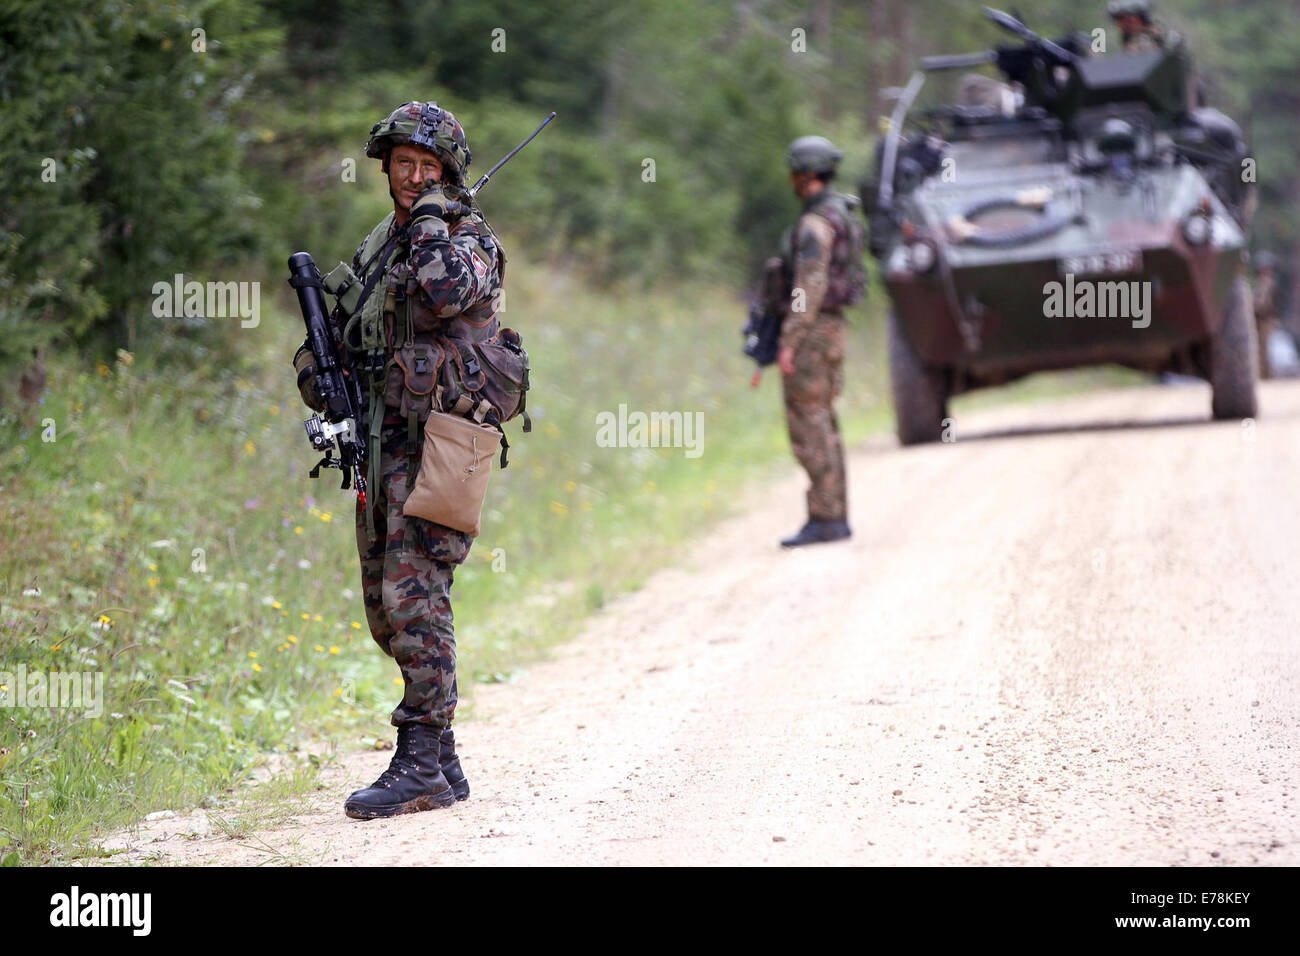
pixel 766 313
pixel 340 427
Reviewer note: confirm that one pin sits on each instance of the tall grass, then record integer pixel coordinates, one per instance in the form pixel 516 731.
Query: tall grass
pixel 169 538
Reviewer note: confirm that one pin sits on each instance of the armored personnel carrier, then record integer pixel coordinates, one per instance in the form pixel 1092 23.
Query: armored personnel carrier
pixel 1079 210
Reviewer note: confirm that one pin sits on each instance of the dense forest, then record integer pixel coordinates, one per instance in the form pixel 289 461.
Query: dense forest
pixel 142 139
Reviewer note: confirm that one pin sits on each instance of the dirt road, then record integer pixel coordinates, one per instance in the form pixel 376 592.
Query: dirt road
pixel 1054 641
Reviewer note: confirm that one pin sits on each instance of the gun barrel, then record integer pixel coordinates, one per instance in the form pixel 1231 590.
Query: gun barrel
pixel 1008 22
pixel 957 61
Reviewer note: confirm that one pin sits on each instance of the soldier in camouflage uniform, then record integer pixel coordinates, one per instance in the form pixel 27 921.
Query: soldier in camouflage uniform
pixel 1139 33
pixel 824 250
pixel 434 270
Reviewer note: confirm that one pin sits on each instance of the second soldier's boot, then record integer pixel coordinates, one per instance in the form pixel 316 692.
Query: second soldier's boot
pixel 412 782
pixel 450 765
pixel 818 532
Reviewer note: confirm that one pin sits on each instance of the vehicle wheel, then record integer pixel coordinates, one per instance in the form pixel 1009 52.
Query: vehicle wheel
pixel 920 393
pixel 1234 358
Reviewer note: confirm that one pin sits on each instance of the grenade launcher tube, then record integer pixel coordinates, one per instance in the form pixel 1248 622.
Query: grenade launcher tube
pixel 340 392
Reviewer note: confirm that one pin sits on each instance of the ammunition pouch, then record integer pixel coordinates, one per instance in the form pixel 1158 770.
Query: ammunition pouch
pixel 412 381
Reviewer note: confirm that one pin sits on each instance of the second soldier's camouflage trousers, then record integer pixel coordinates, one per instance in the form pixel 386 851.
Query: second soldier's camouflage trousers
pixel 810 395
pixel 406 577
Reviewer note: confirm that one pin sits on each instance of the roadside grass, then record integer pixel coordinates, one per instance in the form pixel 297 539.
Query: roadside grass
pixel 163 533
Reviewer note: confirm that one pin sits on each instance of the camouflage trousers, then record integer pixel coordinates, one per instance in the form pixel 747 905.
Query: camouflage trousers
pixel 406 577
pixel 810 394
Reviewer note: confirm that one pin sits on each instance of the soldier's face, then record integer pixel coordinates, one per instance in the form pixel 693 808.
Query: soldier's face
pixel 1129 24
pixel 409 168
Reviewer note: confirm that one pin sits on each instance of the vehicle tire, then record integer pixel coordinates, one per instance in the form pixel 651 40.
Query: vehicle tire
pixel 1234 358
pixel 920 393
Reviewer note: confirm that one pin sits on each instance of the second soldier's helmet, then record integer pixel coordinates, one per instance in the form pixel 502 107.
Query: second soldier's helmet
pixel 1130 8
pixel 813 154
pixel 427 125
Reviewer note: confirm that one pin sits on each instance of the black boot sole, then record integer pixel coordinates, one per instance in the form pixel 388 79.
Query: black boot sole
pixel 427 801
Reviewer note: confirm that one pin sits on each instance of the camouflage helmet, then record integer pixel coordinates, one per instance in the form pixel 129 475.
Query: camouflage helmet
pixel 427 125
pixel 813 154
pixel 1130 8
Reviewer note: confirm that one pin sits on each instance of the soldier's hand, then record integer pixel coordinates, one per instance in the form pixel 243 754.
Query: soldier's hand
pixel 435 203
pixel 785 359
pixel 305 364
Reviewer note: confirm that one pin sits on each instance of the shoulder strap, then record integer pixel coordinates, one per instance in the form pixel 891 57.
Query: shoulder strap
pixel 370 280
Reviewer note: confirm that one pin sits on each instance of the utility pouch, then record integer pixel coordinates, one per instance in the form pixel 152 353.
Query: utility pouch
pixel 495 370
pixel 455 464
pixel 344 286
pixel 505 380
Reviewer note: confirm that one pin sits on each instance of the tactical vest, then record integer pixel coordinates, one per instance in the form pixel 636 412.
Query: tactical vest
pixel 410 360
pixel 847 276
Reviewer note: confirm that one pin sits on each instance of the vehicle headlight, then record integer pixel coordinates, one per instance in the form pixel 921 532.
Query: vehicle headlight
pixel 1196 229
pixel 921 257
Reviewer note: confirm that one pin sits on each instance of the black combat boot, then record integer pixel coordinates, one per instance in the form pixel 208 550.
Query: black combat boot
pixel 818 532
pixel 412 782
pixel 450 765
